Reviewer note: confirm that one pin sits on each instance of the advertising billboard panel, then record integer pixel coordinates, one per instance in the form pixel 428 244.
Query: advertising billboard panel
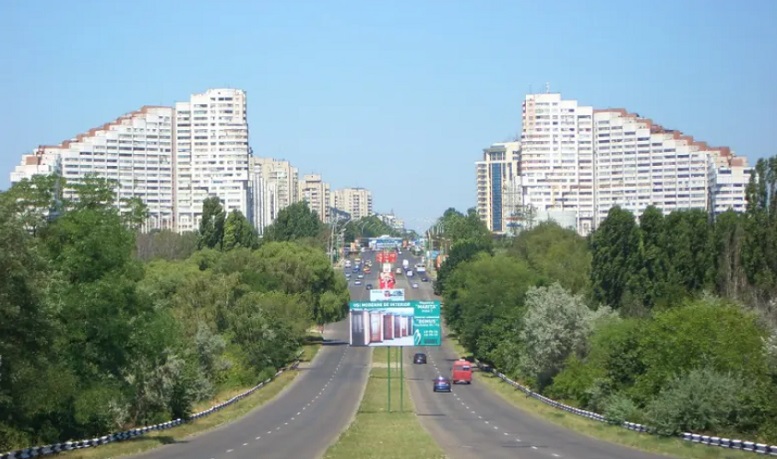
pixel 395 323
pixel 388 294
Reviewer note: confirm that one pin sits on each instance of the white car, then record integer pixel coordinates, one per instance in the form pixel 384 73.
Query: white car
pixel 415 285
pixel 360 276
pixel 357 282
pixel 409 274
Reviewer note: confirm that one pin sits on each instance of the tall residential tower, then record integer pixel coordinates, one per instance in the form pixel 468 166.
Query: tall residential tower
pixel 172 158
pixel 577 162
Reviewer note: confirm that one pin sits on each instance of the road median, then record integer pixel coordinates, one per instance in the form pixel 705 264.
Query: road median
pixel 377 433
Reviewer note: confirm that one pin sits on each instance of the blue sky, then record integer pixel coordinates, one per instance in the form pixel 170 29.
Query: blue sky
pixel 396 96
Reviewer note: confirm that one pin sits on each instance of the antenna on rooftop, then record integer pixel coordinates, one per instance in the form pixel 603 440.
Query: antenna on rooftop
pixel 547 87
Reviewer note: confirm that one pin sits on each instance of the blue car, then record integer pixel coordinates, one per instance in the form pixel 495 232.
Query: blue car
pixel 442 384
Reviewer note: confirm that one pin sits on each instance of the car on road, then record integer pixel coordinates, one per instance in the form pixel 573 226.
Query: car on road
pixel 461 372
pixel 368 286
pixel 357 282
pixel 415 285
pixel 419 358
pixel 398 271
pixel 424 279
pixel 360 276
pixel 442 384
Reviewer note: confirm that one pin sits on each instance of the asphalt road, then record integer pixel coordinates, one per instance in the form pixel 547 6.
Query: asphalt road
pixel 473 422
pixel 303 420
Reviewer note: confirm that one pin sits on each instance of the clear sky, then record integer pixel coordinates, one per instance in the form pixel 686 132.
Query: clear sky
pixel 396 96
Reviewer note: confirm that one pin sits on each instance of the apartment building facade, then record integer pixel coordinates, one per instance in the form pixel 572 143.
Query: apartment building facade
pixel 172 158
pixel 273 188
pixel 577 162
pixel 212 154
pixel 357 202
pixel 315 192
pixel 499 197
pixel 135 150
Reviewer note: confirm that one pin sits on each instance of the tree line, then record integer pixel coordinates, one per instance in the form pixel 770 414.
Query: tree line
pixel 103 329
pixel 669 320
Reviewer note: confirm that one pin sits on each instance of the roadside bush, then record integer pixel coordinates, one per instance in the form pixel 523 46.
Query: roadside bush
pixel 701 400
pixel 619 408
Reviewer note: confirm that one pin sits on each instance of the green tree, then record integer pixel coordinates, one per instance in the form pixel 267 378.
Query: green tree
pixel 28 334
pixel 615 248
pixel 238 232
pixel 689 243
pixel 556 253
pixel 729 235
pixel 456 226
pixel 36 200
pixel 212 224
pixel 705 333
pixel 93 192
pixel 137 213
pixel 556 325
pixel 652 280
pixel 294 222
pixel 759 254
pixel 484 291
pixel 460 252
pixel 166 245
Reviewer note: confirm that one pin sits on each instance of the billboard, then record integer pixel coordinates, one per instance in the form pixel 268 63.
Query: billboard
pixel 389 294
pixel 395 323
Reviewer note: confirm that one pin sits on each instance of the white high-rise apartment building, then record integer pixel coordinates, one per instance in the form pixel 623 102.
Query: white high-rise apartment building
pixel 356 201
pixel 171 158
pixel 577 162
pixel 274 187
pixel 499 202
pixel 211 154
pixel 315 192
pixel 557 156
pixel 135 150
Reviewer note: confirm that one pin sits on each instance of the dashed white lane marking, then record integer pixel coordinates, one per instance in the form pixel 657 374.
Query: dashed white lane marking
pixel 257 438
pixel 507 434
pixel 230 450
pixel 245 444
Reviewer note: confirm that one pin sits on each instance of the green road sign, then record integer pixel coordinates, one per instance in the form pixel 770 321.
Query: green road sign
pixel 395 323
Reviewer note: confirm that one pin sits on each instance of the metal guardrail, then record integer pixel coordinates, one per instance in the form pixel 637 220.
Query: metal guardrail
pixel 38 451
pixel 728 443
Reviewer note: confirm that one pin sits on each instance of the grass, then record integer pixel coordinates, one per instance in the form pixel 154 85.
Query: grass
pixel 674 447
pixel 376 433
pixel 380 357
pixel 156 439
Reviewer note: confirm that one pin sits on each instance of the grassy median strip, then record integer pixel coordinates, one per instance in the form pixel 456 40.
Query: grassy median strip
pixel 674 447
pixel 376 433
pixel 237 410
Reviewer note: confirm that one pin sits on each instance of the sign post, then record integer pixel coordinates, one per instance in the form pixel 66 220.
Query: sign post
pixel 388 360
pixel 401 381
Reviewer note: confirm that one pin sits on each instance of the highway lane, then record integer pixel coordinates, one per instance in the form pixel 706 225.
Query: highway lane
pixel 473 422
pixel 303 420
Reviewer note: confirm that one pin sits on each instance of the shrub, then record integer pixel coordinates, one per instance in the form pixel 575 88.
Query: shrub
pixel 619 408
pixel 701 400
